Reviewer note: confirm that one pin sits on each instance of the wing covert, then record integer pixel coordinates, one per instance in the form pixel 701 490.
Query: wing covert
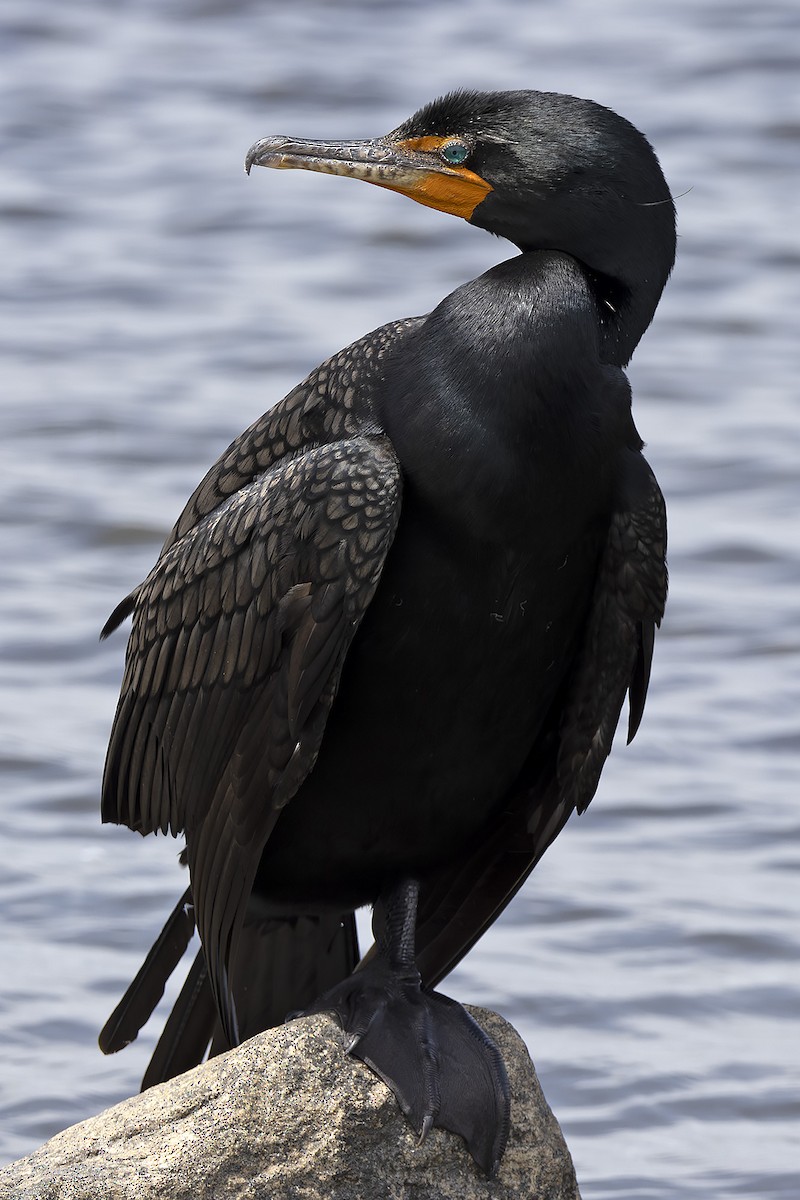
pixel 331 404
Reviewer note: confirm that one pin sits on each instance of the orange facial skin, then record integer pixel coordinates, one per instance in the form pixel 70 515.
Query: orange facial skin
pixel 449 189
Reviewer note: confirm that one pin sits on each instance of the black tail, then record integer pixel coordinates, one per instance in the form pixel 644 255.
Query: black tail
pixel 137 1005
pixel 282 965
pixel 190 1028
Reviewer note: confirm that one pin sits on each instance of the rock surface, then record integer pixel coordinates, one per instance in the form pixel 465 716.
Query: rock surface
pixel 288 1116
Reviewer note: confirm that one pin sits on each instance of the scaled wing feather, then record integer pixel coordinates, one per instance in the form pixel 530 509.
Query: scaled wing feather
pixel 211 740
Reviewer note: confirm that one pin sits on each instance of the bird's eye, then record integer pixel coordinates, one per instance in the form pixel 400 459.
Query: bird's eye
pixel 454 153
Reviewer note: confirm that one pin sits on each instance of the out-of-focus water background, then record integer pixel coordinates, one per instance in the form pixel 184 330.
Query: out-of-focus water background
pixel 155 301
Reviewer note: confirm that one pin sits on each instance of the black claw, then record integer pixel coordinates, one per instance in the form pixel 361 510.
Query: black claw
pixel 427 1126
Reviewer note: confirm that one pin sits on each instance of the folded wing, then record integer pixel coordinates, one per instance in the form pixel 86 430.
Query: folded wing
pixel 239 637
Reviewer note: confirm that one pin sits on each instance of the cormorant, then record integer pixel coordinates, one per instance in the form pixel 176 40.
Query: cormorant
pixel 383 652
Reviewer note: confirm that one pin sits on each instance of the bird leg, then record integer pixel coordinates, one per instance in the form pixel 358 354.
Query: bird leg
pixel 437 1060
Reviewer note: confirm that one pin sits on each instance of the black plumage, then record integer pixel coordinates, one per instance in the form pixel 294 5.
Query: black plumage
pixel 383 653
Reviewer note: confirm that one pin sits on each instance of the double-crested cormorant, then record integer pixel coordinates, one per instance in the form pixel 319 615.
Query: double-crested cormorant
pixel 384 650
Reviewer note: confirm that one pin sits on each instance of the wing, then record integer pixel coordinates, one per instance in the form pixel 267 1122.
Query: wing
pixel 239 637
pixel 331 404
pixel 562 772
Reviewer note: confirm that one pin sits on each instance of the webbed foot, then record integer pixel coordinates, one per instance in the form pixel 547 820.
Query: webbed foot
pixel 443 1069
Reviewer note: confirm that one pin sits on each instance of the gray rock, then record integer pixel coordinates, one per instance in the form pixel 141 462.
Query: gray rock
pixel 288 1116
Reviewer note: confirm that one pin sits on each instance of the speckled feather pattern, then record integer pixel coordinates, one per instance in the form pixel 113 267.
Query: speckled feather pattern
pixel 332 403
pixel 242 626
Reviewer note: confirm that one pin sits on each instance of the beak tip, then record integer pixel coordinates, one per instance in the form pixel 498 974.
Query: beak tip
pixel 254 156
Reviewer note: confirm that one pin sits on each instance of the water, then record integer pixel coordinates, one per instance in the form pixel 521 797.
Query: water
pixel 154 301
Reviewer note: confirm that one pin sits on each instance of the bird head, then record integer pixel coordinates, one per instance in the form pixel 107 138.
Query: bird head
pixel 546 171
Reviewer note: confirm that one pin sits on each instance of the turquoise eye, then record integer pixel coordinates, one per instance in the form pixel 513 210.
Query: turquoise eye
pixel 455 153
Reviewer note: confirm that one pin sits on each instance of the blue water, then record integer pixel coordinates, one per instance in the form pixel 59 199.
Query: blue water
pixel 153 301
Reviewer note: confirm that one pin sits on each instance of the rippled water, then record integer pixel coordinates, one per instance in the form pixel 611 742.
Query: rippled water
pixel 154 301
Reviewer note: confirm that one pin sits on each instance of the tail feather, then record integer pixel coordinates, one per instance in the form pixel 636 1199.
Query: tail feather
pixel 189 1030
pixel 282 964
pixel 137 1005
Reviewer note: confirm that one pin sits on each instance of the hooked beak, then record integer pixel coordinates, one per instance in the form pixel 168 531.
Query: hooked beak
pixel 410 166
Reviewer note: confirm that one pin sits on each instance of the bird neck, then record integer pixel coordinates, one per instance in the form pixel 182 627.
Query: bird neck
pixel 501 399
pixel 626 269
pixel 624 311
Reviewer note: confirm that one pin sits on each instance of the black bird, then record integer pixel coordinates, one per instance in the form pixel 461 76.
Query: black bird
pixel 384 650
